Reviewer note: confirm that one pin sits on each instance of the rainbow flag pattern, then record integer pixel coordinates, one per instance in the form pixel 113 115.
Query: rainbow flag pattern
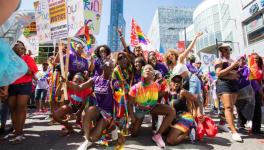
pixel 185 122
pixel 88 37
pixel 137 36
pixel 141 36
pixel 146 96
pixel 55 80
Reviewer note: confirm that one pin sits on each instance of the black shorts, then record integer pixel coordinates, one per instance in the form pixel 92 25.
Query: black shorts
pixel 20 89
pixel 41 94
pixel 226 86
pixel 75 108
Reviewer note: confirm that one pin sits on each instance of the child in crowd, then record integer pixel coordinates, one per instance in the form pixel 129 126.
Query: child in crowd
pixel 77 103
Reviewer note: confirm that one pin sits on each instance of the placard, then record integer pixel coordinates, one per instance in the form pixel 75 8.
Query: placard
pixel 58 19
pixel 42 21
pixel 92 14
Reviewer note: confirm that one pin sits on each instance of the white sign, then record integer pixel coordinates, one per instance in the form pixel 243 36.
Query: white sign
pixel 75 10
pixel 92 14
pixel 42 21
pixel 58 19
pixel 208 59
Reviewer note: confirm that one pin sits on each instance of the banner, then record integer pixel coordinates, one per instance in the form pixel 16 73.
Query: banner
pixel 208 59
pixel 42 21
pixel 92 14
pixel 75 16
pixel 58 19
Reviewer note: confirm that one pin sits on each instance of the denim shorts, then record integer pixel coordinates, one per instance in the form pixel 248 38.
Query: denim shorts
pixel 20 89
pixel 226 86
pixel 41 94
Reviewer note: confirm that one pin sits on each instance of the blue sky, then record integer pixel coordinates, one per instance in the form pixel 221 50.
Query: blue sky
pixel 142 10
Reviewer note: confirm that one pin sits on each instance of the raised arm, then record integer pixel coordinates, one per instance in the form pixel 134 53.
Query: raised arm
pixel 85 85
pixel 184 55
pixel 123 40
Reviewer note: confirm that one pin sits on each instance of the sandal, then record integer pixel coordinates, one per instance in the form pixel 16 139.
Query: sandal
pixel 18 139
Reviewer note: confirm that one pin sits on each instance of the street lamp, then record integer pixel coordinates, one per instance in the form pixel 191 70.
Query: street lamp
pixel 185 36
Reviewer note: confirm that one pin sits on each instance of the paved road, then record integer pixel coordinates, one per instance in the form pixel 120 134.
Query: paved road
pixel 41 136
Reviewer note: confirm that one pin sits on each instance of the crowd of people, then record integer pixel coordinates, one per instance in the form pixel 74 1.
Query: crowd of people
pixel 110 95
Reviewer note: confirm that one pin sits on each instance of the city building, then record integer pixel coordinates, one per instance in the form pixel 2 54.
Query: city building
pixel 116 21
pixel 238 22
pixel 166 25
pixel 252 21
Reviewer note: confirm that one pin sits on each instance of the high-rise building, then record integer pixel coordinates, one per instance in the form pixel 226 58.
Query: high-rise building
pixel 116 21
pixel 166 25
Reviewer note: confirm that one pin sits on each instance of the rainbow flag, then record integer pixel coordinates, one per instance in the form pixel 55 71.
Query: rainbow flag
pixel 137 36
pixel 88 37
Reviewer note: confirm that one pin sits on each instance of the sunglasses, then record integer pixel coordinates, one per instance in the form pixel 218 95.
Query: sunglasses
pixel 176 80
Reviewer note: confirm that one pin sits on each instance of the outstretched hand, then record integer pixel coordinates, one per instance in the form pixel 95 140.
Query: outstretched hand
pixel 199 34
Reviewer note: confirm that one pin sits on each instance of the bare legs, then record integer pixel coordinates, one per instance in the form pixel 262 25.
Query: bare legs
pixel 92 114
pixel 175 136
pixel 229 101
pixel 59 117
pixel 18 108
pixel 159 109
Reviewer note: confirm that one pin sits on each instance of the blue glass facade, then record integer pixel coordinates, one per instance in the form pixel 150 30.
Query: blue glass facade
pixel 116 21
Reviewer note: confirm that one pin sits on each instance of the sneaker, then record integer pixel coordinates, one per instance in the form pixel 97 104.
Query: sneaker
pixel 224 128
pixel 10 135
pixel 236 137
pixel 85 145
pixel 114 134
pixel 158 140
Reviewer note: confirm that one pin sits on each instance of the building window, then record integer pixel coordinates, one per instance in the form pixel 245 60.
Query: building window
pixel 255 29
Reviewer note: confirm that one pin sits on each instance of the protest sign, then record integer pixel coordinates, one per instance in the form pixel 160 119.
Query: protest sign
pixel 92 14
pixel 42 21
pixel 58 19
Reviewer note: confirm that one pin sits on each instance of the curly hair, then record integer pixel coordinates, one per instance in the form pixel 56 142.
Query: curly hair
pixel 97 50
pixel 167 54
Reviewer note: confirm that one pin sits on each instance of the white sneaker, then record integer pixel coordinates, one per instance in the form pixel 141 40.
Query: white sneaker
pixel 114 134
pixel 236 137
pixel 85 145
pixel 224 128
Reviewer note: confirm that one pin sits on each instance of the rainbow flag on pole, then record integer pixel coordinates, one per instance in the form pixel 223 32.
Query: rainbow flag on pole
pixel 137 36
